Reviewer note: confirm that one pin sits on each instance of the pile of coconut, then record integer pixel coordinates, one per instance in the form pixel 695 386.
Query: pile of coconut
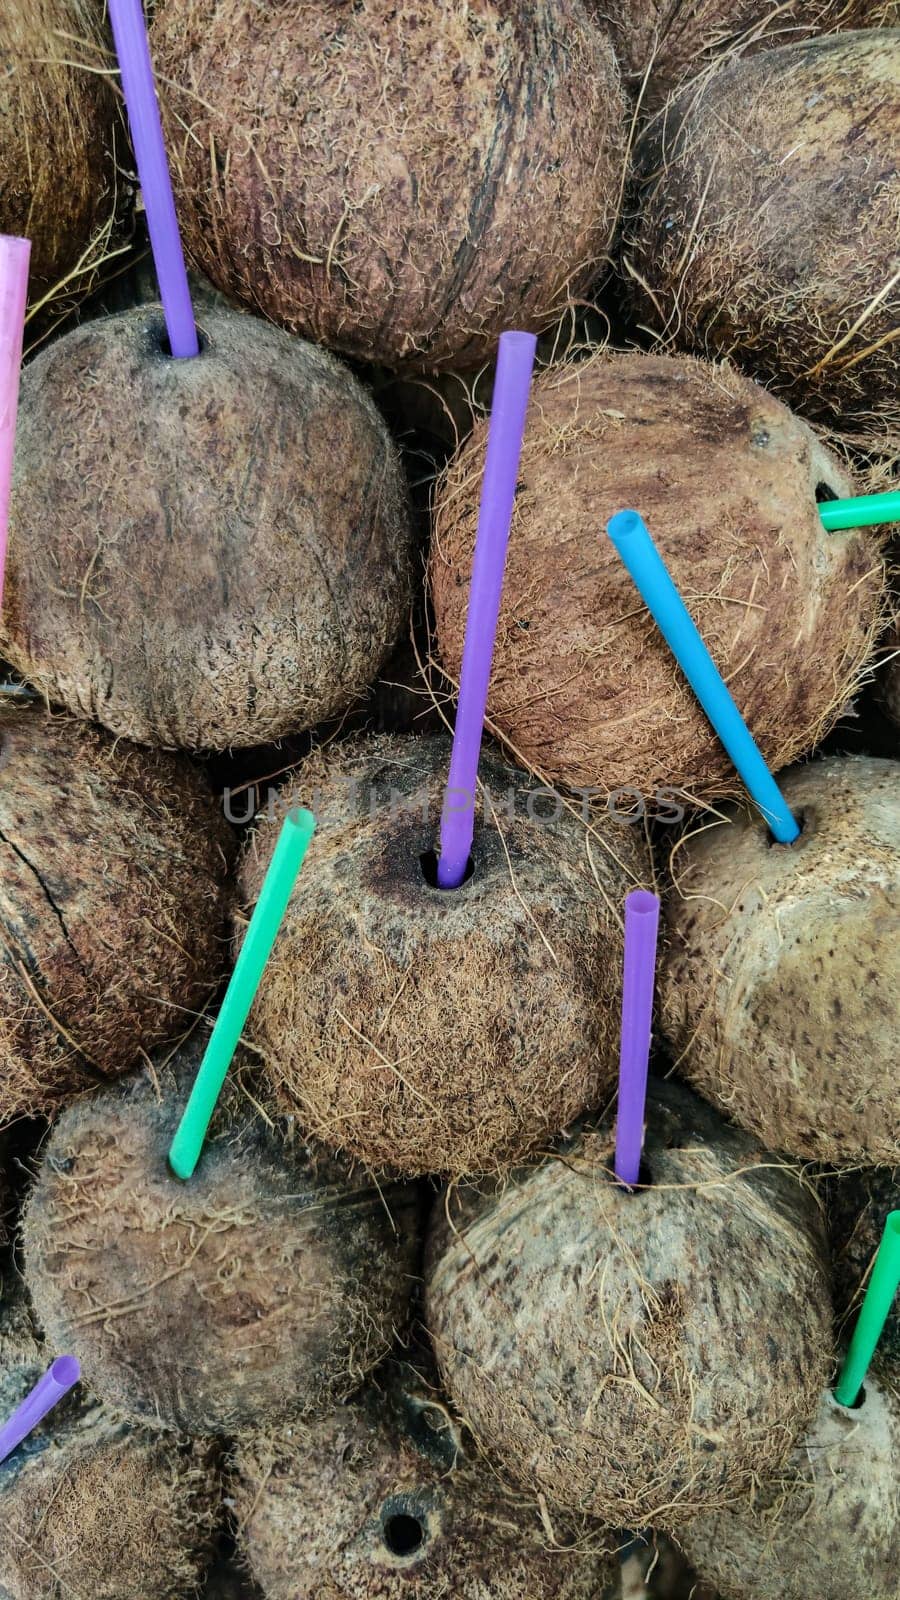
pixel 404 1333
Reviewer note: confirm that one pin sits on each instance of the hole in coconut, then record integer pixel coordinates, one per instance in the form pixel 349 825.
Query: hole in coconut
pixel 428 861
pixel 824 492
pixel 158 337
pixel 856 1405
pixel 403 1534
pixel 800 819
pixel 644 1179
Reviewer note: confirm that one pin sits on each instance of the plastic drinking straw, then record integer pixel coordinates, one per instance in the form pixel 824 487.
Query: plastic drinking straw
pixel 883 1285
pixel 860 512
pixel 651 576
pixel 515 361
pixel 47 1392
pixel 641 927
pixel 268 913
pixel 14 258
pixel 133 50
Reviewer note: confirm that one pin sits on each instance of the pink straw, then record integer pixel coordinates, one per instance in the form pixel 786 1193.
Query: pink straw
pixel 14 258
pixel 515 361
pixel 641 926
pixel 47 1393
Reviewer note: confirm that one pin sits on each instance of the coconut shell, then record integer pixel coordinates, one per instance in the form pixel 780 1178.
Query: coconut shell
pixel 636 1356
pixel 856 1205
pixel 778 990
pixel 829 1526
pixel 370 1505
pixel 249 569
pixel 265 1289
pixel 427 1030
pixel 58 122
pixel 396 182
pixel 91 1505
pixel 113 866
pixel 768 230
pixel 583 685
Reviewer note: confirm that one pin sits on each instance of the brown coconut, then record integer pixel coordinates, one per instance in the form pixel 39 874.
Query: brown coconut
pixel 379 1502
pixel 264 1289
pixel 828 1526
pixel 58 123
pixel 856 1205
pixel 637 1356
pixel 768 230
pixel 779 988
pixel 90 1505
pixel 398 182
pixel 431 1030
pixel 113 867
pixel 216 551
pixel 584 687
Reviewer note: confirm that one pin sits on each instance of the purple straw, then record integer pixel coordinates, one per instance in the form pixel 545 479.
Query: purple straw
pixel 133 50
pixel 61 1377
pixel 641 925
pixel 515 361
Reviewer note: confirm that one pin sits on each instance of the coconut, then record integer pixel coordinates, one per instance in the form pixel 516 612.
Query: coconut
pixel 90 1504
pixel 57 129
pixel 829 1526
pixel 583 686
pixel 769 228
pixel 112 902
pixel 856 1204
pixel 375 1502
pixel 778 989
pixel 636 1356
pixel 431 1030
pixel 248 568
pixel 396 182
pixel 265 1289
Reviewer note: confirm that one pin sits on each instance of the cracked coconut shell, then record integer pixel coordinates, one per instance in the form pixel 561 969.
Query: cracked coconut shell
pixel 828 1526
pixel 264 1289
pixel 384 1499
pixel 248 567
pixel 430 1030
pixel 641 1356
pixel 768 228
pixel 583 685
pixel 58 123
pixel 778 988
pixel 113 868
pixel 395 181
pixel 91 1505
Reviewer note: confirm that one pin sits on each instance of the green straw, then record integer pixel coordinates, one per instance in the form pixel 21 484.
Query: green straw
pixel 293 842
pixel 860 512
pixel 883 1286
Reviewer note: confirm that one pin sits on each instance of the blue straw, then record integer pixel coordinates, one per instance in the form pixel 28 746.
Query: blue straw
pixel 629 534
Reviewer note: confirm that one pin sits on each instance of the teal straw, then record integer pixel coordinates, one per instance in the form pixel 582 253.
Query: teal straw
pixel 883 1286
pixel 860 512
pixel 268 913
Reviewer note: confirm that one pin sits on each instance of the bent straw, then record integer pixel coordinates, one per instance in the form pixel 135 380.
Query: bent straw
pixel 651 576
pixel 14 258
pixel 268 913
pixel 883 1286
pixel 641 928
pixel 861 512
pixel 515 361
pixel 133 51
pixel 47 1392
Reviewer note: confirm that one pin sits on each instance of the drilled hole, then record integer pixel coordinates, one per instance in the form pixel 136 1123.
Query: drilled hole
pixel 428 861
pixel 403 1534
pixel 824 492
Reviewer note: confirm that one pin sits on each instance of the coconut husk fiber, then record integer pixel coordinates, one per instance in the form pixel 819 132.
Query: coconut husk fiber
pixel 778 989
pixel 216 551
pixel 889 678
pixel 430 1030
pixel 583 686
pixel 829 1526
pixel 58 122
pixel 636 1356
pixel 856 1205
pixel 113 889
pixel 91 1506
pixel 264 1289
pixel 768 227
pixel 397 182
pixel 385 1498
